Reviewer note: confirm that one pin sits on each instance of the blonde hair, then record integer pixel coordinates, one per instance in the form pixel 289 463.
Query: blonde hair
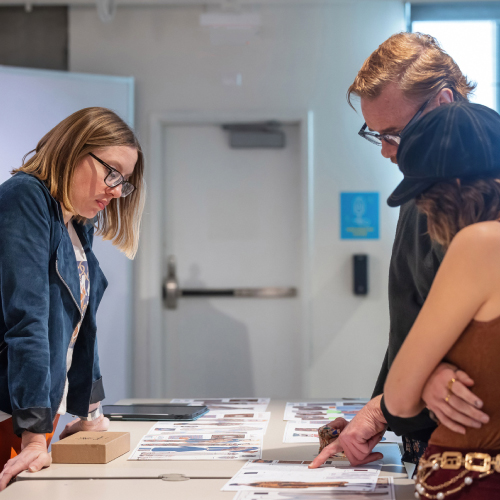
pixel 452 205
pixel 416 63
pixel 59 152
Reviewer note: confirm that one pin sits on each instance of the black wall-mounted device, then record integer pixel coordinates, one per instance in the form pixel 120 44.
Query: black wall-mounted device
pixel 360 274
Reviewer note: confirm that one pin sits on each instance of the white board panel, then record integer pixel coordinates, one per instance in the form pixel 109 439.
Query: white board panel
pixel 33 101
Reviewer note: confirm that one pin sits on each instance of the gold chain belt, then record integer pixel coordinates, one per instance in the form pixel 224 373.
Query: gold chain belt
pixel 483 463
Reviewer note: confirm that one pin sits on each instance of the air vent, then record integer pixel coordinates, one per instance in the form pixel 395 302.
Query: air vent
pixel 260 135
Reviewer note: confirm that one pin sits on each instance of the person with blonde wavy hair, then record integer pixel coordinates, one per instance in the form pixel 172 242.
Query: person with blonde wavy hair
pixel 84 177
pixel 451 165
pixel 406 77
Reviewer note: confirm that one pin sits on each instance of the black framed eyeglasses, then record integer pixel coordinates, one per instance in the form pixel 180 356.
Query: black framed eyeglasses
pixel 115 178
pixel 392 139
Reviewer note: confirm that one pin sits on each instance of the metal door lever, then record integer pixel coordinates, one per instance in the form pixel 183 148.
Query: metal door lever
pixel 172 292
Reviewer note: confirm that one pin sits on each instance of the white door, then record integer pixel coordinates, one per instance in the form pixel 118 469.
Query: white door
pixel 233 219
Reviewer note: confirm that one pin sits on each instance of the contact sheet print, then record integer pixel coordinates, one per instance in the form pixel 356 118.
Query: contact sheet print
pixel 260 475
pixel 223 404
pixel 221 424
pixel 198 447
pixel 221 434
pixel 323 410
pixel 234 420
pixel 304 419
pixel 383 490
pixel 304 431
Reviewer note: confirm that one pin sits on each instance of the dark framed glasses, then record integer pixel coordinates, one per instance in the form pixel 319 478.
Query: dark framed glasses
pixel 392 139
pixel 115 178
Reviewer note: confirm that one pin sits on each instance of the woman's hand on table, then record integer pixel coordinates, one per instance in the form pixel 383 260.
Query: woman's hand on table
pixel 33 457
pixel 453 403
pixel 98 425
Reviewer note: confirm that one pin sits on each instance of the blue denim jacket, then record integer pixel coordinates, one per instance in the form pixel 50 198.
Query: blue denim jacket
pixel 40 308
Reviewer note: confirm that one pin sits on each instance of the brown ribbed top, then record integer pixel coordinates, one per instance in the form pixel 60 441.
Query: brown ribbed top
pixel 477 352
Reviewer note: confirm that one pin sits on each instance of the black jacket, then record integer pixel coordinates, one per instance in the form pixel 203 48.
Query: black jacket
pixel 414 263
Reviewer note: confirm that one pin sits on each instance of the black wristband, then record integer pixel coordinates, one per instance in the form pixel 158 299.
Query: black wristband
pixel 421 423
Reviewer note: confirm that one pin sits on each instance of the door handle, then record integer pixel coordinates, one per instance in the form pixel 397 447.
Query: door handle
pixel 172 292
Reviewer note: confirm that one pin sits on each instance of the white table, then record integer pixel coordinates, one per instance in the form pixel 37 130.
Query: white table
pixel 200 470
pixel 117 489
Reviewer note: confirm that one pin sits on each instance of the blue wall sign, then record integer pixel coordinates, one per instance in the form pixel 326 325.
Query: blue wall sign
pixel 359 218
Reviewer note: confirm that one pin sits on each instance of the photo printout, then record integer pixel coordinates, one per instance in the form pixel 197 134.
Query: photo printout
pixel 290 475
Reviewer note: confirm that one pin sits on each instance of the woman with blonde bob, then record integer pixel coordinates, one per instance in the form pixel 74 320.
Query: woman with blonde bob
pixel 451 164
pixel 85 176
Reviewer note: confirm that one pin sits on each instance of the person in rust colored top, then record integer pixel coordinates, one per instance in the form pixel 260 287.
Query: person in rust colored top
pixel 450 159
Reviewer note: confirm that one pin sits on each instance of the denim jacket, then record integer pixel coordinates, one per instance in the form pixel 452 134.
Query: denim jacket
pixel 40 308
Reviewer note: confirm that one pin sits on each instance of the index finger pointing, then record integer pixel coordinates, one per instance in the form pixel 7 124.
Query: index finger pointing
pixel 325 454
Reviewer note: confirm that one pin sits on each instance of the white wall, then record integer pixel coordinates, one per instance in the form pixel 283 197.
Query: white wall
pixel 305 57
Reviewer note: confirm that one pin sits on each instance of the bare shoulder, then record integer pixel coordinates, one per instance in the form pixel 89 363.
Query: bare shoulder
pixel 478 241
pixel 481 232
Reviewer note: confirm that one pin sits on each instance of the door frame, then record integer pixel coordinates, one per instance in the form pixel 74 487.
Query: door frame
pixel 149 374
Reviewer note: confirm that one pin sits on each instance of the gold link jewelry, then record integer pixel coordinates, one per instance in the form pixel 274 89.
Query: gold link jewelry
pixel 453 460
pixel 450 385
